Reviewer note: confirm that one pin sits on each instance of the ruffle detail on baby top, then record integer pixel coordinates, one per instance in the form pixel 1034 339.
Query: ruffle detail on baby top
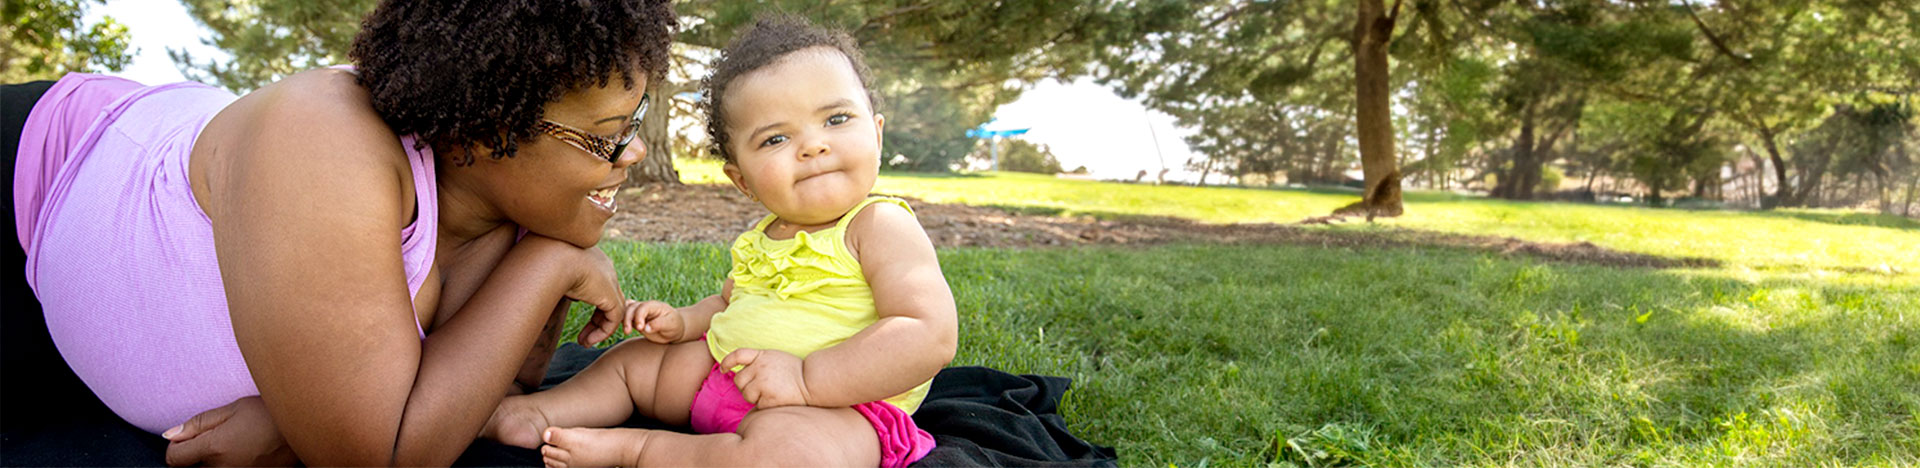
pixel 787 268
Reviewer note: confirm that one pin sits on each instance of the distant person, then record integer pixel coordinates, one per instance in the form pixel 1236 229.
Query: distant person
pixel 349 266
pixel 828 330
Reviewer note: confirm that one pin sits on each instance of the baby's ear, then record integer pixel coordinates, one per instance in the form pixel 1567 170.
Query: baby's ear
pixel 739 180
pixel 880 130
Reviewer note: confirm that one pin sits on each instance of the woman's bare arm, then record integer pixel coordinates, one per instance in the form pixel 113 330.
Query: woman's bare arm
pixel 307 228
pixel 533 369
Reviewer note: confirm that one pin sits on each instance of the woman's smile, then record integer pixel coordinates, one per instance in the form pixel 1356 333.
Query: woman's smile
pixel 604 198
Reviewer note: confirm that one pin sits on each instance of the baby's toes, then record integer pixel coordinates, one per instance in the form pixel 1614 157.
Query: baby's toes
pixel 554 457
pixel 594 447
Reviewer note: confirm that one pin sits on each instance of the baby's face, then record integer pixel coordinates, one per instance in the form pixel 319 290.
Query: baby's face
pixel 805 140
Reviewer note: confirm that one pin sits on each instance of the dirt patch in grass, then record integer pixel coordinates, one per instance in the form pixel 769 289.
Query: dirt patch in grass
pixel 718 213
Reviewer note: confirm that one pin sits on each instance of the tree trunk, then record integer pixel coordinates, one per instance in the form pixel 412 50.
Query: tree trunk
pixel 1811 174
pixel 1906 209
pixel 1759 189
pixel 657 167
pixel 1433 152
pixel 1783 188
pixel 1884 175
pixel 1329 161
pixel 1372 32
pixel 1517 183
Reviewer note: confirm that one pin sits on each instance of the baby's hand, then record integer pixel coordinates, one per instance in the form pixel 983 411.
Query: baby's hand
pixel 768 378
pixel 658 321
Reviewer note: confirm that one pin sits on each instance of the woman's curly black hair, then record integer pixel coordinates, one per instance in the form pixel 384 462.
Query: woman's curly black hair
pixel 470 73
pixel 770 38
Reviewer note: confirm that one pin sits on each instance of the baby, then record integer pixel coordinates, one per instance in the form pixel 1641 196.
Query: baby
pixel 832 323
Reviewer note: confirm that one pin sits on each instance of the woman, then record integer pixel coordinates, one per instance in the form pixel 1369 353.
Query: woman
pixel 349 266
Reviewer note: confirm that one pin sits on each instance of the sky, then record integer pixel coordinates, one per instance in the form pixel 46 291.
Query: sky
pixel 1083 123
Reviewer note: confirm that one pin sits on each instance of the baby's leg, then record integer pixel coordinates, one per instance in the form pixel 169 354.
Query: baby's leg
pixel 658 380
pixel 785 436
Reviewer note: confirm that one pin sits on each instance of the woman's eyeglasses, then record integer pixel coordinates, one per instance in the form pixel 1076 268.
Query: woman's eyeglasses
pixel 605 148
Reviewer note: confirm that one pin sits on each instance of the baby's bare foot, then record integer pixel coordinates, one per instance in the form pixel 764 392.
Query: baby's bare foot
pixel 516 423
pixel 593 447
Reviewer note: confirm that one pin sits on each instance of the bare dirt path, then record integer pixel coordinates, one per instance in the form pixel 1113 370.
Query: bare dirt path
pixel 717 213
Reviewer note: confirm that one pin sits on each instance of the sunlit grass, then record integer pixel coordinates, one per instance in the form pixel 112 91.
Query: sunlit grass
pixel 1800 346
pixel 1811 242
pixel 1306 356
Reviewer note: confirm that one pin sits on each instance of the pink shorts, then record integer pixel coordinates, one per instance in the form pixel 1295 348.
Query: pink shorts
pixel 719 407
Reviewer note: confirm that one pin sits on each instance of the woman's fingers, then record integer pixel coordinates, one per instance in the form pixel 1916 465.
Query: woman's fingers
pixel 598 329
pixel 238 434
pixel 189 452
pixel 199 424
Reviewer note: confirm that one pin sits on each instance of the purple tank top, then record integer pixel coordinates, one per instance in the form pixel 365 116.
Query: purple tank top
pixel 122 258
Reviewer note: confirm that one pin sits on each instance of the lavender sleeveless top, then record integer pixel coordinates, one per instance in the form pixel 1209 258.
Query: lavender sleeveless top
pixel 121 256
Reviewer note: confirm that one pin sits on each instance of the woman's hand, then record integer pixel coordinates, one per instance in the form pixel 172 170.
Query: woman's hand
pixel 238 434
pixel 597 284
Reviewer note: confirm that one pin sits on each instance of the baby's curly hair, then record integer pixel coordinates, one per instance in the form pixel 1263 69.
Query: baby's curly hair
pixel 771 37
pixel 470 73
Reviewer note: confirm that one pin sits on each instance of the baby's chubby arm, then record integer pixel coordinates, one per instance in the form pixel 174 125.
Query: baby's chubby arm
pixel 918 330
pixel 662 323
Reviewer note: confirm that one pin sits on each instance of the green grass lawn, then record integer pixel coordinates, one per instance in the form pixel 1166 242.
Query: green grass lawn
pixel 1798 350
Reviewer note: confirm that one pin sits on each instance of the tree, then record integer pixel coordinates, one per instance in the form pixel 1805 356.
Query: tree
pixel 1774 92
pixel 1791 62
pixel 1206 62
pixel 1255 78
pixel 45 40
pixel 269 40
pixel 941 67
pixel 1453 112
pixel 1024 156
pixel 1862 141
pixel 1372 34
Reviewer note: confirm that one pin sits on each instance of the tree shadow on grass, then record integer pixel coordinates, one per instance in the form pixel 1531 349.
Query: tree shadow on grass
pixel 1453 357
pixel 1001 226
pixel 1780 369
pixel 1846 218
pixel 931 175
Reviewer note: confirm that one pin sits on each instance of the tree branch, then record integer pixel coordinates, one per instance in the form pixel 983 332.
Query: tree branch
pixel 883 18
pixel 1715 38
pixel 1229 14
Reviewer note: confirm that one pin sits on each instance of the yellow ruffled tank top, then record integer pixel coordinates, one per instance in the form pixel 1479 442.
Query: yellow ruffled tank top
pixel 799 295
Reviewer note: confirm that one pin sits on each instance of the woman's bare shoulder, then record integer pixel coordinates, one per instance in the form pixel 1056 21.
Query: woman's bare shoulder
pixel 314 131
pixel 326 103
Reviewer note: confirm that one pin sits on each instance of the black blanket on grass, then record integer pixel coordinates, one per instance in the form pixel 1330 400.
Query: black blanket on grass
pixel 978 416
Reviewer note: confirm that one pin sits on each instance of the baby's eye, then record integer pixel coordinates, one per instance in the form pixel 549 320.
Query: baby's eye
pixel 773 140
pixel 838 119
